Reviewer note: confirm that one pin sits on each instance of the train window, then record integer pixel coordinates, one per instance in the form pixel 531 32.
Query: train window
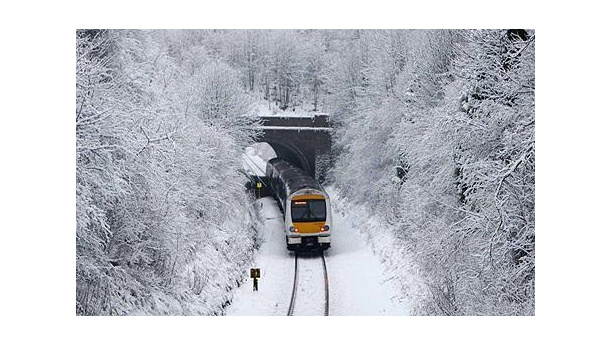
pixel 308 210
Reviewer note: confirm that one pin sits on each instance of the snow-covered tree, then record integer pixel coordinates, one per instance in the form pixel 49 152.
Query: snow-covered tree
pixel 496 157
pixel 160 201
pixel 439 127
pixel 435 127
pixel 315 64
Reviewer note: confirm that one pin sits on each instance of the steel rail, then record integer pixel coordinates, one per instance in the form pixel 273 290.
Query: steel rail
pixel 295 284
pixel 326 306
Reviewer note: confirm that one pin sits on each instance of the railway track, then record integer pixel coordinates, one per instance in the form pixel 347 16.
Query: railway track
pixel 293 299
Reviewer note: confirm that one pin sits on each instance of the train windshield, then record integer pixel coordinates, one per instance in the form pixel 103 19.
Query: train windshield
pixel 308 210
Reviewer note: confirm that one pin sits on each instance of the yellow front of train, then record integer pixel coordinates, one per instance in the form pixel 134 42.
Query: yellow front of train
pixel 308 220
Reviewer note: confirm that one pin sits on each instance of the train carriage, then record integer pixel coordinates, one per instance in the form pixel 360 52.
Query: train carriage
pixel 305 205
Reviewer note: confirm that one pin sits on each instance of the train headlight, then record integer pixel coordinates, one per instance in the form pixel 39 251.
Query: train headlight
pixel 293 229
pixel 325 228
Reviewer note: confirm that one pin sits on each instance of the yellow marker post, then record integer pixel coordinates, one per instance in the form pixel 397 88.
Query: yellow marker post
pixel 258 188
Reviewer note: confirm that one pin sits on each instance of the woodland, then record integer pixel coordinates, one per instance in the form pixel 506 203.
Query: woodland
pixel 434 132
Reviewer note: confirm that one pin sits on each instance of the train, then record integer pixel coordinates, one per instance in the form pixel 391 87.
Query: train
pixel 304 204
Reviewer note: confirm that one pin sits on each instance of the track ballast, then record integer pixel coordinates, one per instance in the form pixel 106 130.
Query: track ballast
pixel 293 300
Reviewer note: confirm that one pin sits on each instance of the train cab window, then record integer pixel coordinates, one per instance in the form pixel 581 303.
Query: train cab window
pixel 308 210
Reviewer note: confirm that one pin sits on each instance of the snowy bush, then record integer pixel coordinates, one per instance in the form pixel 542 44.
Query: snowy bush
pixel 162 223
pixel 434 133
pixel 439 137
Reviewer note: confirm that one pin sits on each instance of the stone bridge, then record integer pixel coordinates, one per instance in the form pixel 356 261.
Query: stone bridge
pixel 303 140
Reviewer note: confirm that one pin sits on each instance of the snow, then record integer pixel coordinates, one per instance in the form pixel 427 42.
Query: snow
pixel 399 267
pixel 276 264
pixel 255 158
pixel 295 128
pixel 265 109
pixel 288 115
pixel 310 295
pixel 359 285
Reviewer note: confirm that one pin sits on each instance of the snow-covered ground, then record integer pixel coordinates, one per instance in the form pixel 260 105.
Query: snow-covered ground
pixel 265 108
pixel 366 276
pixel 358 284
pixel 255 158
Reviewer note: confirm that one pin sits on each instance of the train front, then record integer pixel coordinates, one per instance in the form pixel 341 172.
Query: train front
pixel 308 220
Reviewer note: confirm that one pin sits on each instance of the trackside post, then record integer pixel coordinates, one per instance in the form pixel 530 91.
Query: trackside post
pixel 255 273
pixel 259 185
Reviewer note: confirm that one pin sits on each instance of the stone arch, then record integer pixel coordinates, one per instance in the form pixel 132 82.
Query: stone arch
pixel 305 141
pixel 289 152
